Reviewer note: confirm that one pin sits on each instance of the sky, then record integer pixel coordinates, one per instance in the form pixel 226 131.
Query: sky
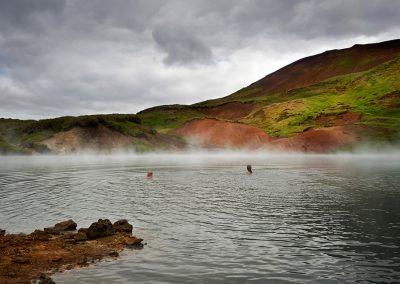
pixel 75 57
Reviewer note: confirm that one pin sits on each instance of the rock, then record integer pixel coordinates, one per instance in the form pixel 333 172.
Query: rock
pixel 123 226
pixel 114 254
pixel 2 232
pixel 39 235
pixel 69 241
pixel 80 237
pixel 68 236
pixel 134 243
pixel 52 231
pixel 44 279
pixel 21 260
pixel 56 258
pixel 82 260
pixel 68 225
pixel 83 230
pixel 99 229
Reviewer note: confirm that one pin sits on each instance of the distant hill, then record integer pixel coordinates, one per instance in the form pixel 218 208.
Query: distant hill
pixel 68 134
pixel 335 100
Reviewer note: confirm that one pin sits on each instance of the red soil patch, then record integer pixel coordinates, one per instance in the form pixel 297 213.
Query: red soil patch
pixel 338 119
pixel 220 134
pixel 231 111
pixel 216 133
pixel 318 140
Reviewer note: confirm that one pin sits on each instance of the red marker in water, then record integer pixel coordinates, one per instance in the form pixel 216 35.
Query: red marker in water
pixel 149 174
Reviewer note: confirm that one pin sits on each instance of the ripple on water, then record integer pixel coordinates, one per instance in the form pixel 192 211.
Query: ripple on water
pixel 307 220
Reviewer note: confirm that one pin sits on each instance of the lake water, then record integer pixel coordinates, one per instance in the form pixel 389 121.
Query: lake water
pixel 297 219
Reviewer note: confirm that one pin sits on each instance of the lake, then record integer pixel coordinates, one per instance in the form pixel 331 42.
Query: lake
pixel 296 219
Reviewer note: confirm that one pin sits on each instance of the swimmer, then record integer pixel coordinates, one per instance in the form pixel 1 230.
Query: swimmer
pixel 249 170
pixel 149 174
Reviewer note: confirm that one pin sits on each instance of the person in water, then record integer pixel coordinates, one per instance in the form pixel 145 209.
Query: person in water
pixel 149 174
pixel 249 170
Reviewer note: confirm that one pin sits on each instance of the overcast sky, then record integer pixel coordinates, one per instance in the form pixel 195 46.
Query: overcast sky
pixel 70 57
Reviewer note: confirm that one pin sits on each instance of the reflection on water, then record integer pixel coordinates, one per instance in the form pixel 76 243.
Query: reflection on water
pixel 315 219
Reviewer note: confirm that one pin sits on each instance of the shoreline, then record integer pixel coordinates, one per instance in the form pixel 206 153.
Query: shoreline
pixel 34 257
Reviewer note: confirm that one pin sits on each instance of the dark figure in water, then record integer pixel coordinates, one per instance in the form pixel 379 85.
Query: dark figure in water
pixel 149 174
pixel 249 170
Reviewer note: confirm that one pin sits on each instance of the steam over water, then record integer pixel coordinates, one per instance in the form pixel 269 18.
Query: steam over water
pixel 297 219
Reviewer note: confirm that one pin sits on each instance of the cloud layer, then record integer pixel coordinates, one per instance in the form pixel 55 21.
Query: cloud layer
pixel 70 57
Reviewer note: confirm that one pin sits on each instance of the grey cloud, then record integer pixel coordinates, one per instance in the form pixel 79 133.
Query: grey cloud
pixel 61 57
pixel 182 47
pixel 29 15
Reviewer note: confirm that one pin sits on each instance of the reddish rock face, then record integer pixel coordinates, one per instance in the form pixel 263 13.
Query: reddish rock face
pixel 220 134
pixel 317 140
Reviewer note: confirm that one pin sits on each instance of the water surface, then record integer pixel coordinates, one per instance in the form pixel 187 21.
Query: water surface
pixel 297 219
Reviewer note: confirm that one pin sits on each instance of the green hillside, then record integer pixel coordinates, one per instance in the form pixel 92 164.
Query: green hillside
pixel 358 86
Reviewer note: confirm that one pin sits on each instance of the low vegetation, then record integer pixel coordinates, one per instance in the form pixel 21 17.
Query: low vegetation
pixel 358 86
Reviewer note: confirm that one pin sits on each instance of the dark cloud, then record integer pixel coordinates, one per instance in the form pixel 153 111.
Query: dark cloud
pixel 61 57
pixel 29 15
pixel 182 46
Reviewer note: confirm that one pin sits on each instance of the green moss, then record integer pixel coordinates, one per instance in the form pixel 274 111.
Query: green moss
pixel 165 120
pixel 374 94
pixel 6 148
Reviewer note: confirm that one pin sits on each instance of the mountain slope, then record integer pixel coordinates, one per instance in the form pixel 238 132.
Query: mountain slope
pixel 356 88
pixel 317 68
pixel 329 101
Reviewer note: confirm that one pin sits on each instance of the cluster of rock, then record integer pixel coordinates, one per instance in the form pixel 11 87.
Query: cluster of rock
pixel 27 257
pixel 67 229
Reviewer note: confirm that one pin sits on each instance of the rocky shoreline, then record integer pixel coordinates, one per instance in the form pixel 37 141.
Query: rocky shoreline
pixel 34 257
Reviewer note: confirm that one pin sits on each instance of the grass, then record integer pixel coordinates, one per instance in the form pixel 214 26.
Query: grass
pixel 364 93
pixel 373 93
pixel 165 120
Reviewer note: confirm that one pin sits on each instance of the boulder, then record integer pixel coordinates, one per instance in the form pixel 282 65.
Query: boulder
pixel 44 279
pixel 80 237
pixel 99 229
pixel 68 235
pixel 2 232
pixel 68 225
pixel 123 226
pixel 83 230
pixel 39 235
pixel 52 231
pixel 114 254
pixel 134 242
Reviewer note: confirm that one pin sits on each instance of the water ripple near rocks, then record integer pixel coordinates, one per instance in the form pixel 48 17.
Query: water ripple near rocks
pixel 307 220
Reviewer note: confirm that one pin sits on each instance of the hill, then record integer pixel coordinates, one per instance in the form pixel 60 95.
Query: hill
pixel 83 133
pixel 355 90
pixel 330 101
